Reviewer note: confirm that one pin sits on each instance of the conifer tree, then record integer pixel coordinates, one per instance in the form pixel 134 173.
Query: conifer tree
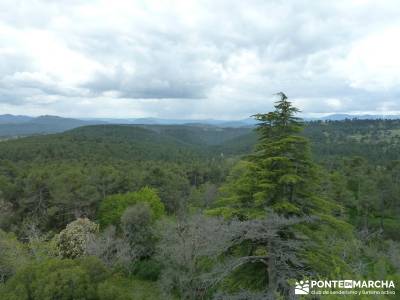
pixel 279 180
pixel 279 175
pixel 284 173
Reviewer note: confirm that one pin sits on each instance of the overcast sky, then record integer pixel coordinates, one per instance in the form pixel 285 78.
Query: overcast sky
pixel 197 59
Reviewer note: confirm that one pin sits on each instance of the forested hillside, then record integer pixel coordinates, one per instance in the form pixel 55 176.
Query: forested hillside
pixel 199 211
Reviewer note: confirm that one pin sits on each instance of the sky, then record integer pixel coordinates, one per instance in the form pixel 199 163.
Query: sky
pixel 198 59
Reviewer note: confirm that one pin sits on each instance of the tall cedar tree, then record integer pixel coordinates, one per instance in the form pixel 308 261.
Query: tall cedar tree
pixel 279 175
pixel 283 170
pixel 280 179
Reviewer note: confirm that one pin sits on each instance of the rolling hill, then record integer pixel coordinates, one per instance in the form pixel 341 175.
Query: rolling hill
pixel 16 126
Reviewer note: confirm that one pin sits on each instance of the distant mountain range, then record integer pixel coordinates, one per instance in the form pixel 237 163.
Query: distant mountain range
pixel 14 126
pixel 12 119
pixel 340 117
pixel 17 125
pixel 159 121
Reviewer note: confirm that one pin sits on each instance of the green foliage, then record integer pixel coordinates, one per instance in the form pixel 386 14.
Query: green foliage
pixel 112 172
pixel 235 196
pixel 173 188
pixel 148 269
pixel 13 255
pixel 280 178
pixel 56 279
pixel 112 207
pixel 136 223
pixel 72 193
pixel 84 278
pixel 279 174
pixel 243 278
pixel 115 289
pixel 53 179
pixel 120 288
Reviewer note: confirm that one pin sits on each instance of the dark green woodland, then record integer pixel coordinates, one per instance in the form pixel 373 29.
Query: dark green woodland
pixel 199 211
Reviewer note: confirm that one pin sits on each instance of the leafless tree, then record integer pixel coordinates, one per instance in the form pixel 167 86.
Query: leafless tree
pixel 278 247
pixel 187 247
pixel 192 252
pixel 273 245
pixel 110 248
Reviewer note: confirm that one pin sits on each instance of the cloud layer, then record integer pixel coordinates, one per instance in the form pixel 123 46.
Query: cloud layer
pixel 197 59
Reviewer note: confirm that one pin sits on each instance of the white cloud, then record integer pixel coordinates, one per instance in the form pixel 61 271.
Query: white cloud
pixel 373 62
pixel 219 59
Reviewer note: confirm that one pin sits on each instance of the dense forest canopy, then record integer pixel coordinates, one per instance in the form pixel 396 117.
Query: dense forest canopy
pixel 199 211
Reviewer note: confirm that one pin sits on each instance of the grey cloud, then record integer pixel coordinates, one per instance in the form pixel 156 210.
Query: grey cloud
pixel 161 67
pixel 165 75
pixel 229 57
pixel 21 88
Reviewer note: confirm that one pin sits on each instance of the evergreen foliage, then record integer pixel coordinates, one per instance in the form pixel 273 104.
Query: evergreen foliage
pixel 280 178
pixel 112 208
pixel 199 212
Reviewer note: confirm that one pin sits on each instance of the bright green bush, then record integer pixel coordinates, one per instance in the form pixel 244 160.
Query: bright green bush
pixel 74 279
pixel 64 279
pixel 112 207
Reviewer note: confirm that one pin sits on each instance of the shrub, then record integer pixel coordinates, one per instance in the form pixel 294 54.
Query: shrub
pixel 148 269
pixel 114 251
pixel 72 241
pixel 136 223
pixel 112 207
pixel 56 279
pixel 12 255
pixel 115 288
